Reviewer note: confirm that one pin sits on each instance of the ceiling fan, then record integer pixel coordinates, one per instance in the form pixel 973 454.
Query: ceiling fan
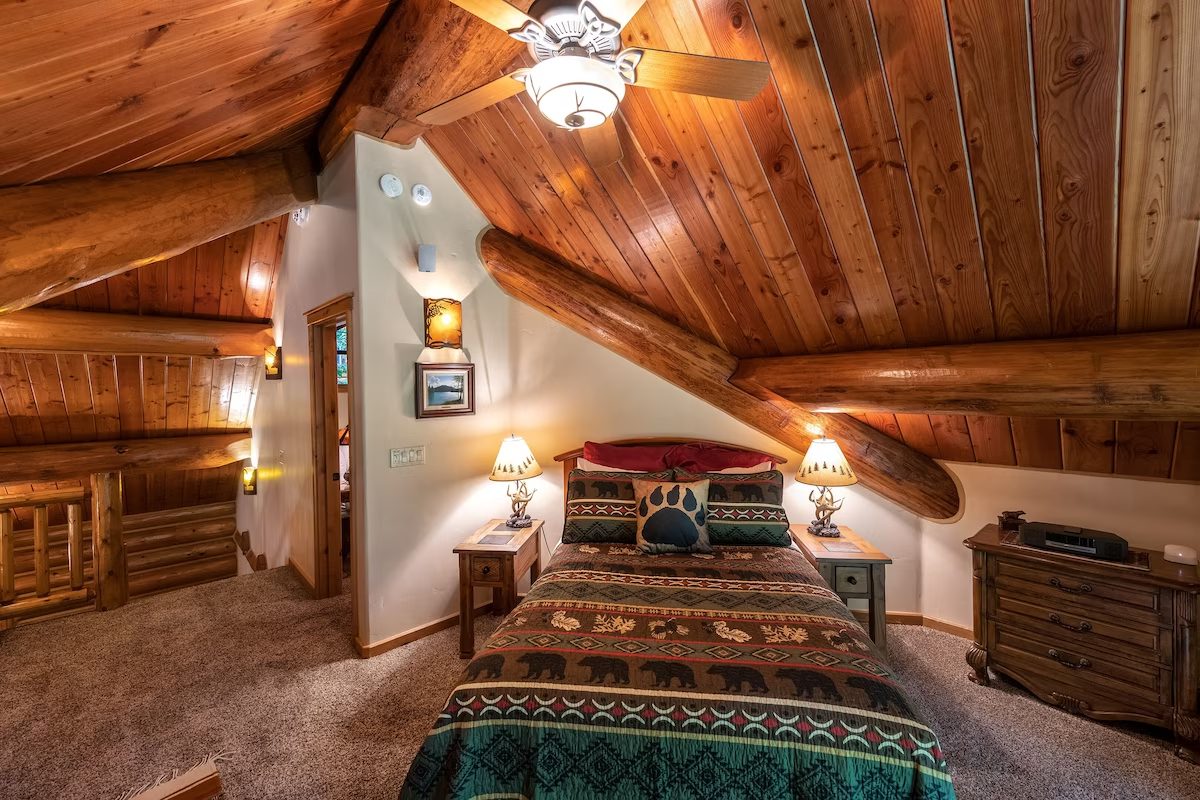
pixel 581 70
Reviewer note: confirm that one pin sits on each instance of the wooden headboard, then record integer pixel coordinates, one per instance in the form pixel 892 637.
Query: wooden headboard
pixel 570 459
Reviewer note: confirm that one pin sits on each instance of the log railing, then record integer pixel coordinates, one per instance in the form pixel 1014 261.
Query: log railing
pixel 101 561
pixel 56 581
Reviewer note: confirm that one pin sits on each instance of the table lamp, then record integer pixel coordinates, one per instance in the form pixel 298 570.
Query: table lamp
pixel 824 466
pixel 515 462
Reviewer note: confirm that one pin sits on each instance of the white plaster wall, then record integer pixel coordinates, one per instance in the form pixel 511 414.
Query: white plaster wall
pixel 1147 513
pixel 319 263
pixel 415 515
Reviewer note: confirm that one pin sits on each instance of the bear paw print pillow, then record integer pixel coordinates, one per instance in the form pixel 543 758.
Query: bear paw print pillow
pixel 671 516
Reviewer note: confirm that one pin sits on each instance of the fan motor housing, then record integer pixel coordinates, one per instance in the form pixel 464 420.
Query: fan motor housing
pixel 566 23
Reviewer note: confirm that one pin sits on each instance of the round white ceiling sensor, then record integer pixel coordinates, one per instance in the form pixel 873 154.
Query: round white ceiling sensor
pixel 391 185
pixel 422 194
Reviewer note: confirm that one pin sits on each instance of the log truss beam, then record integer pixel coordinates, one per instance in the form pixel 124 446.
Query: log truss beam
pixel 887 466
pixel 47 330
pixel 59 462
pixel 58 236
pixel 1140 376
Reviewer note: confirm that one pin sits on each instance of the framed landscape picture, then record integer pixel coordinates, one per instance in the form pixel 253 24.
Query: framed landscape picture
pixel 445 390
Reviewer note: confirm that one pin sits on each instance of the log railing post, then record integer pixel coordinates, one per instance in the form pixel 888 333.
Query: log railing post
pixel 75 543
pixel 8 567
pixel 112 585
pixel 41 550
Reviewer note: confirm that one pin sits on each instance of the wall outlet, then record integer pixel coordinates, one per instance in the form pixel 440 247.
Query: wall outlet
pixel 407 456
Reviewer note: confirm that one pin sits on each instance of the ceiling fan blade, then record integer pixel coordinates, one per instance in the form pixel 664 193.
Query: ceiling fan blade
pixel 600 144
pixel 477 99
pixel 707 75
pixel 619 11
pixel 504 16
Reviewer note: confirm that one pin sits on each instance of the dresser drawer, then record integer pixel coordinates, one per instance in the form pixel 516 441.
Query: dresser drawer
pixel 1079 697
pixel 852 580
pixel 1104 673
pixel 1112 598
pixel 486 569
pixel 1085 629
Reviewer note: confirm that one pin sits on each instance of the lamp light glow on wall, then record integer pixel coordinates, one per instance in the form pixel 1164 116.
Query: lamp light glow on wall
pixel 273 363
pixel 824 466
pixel 515 462
pixel 249 480
pixel 443 323
pixel 575 91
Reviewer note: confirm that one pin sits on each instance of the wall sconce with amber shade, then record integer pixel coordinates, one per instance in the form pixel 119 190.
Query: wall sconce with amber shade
pixel 249 480
pixel 443 323
pixel 273 363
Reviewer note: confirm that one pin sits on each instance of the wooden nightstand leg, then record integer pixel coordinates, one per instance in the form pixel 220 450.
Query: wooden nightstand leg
pixel 466 609
pixel 878 608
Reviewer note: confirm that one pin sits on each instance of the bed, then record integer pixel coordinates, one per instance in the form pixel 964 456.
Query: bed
pixel 730 674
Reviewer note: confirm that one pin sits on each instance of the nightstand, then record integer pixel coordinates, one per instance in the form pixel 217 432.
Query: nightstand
pixel 854 569
pixel 493 556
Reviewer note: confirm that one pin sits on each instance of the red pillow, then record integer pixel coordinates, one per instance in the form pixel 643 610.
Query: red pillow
pixel 693 456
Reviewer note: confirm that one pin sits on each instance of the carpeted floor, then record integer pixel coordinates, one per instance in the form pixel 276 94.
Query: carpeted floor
pixel 95 704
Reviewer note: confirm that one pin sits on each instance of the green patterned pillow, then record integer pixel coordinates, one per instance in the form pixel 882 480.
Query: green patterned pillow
pixel 744 509
pixel 600 505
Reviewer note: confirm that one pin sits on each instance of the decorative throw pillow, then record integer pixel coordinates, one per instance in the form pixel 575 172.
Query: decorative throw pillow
pixel 671 516
pixel 600 506
pixel 744 509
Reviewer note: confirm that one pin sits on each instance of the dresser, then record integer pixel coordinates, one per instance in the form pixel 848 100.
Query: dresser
pixel 1109 641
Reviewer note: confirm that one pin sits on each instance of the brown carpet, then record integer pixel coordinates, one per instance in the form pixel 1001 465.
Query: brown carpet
pixel 97 703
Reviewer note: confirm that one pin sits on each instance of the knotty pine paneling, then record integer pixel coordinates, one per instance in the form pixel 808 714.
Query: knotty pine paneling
pixel 113 85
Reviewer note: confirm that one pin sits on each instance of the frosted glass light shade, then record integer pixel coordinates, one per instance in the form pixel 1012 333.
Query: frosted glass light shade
pixel 515 461
pixel 575 91
pixel 825 465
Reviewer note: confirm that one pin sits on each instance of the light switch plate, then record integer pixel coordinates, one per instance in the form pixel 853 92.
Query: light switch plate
pixel 407 456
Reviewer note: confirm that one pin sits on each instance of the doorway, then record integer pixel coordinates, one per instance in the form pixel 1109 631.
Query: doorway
pixel 336 497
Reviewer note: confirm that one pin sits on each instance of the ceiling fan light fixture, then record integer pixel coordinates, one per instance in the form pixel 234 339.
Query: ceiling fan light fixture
pixel 575 91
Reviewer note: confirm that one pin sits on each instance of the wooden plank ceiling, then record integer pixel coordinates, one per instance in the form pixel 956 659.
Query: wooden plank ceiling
pixel 94 86
pixel 54 398
pixel 917 172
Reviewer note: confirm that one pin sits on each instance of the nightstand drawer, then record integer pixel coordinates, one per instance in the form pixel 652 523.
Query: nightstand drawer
pixel 486 569
pixel 851 580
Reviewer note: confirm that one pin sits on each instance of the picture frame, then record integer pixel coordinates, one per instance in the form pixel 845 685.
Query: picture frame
pixel 445 390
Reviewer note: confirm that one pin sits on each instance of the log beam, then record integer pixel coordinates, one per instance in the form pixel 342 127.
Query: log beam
pixel 426 52
pixel 50 330
pixel 885 465
pixel 58 236
pixel 59 462
pixel 1141 376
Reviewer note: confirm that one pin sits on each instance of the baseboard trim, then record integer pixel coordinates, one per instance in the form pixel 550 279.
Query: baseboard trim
pixel 392 642
pixel 303 576
pixel 913 618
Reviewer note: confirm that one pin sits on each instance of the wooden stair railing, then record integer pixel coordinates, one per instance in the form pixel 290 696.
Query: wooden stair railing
pixel 48 596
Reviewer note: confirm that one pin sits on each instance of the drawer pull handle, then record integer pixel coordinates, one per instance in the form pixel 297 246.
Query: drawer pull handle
pixel 850 579
pixel 1083 588
pixel 1082 627
pixel 486 570
pixel 1082 663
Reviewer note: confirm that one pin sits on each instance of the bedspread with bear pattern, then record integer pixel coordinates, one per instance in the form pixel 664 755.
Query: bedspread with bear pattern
pixel 734 674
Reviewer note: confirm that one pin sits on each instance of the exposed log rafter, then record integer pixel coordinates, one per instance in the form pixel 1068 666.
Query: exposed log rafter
pixel 45 330
pixel 58 462
pixel 59 236
pixel 426 52
pixel 885 465
pixel 1143 376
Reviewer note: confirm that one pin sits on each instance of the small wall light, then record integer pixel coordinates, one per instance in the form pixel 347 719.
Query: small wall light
pixel 443 323
pixel 249 480
pixel 273 362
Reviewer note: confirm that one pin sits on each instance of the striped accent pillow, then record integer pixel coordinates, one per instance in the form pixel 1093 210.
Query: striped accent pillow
pixel 600 505
pixel 744 509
